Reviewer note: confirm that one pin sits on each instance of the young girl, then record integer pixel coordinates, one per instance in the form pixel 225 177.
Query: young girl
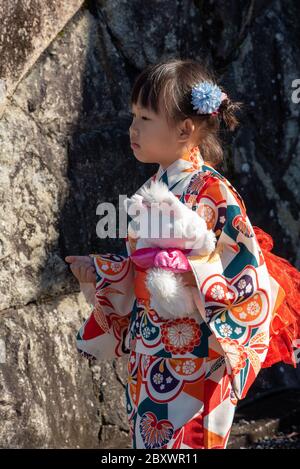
pixel 186 375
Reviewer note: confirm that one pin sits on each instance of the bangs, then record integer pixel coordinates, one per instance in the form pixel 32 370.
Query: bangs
pixel 157 86
pixel 146 92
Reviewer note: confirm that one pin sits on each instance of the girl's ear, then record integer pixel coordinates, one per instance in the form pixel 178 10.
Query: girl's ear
pixel 185 130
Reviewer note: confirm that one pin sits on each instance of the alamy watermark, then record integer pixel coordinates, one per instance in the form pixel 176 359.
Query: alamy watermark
pixel 152 220
pixel 296 92
pixel 296 345
pixel 2 351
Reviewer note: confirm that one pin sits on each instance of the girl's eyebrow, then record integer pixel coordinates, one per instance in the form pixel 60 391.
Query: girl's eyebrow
pixel 139 108
pixel 142 110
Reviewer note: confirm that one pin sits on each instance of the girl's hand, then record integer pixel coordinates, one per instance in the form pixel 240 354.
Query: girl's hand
pixel 82 268
pixel 189 279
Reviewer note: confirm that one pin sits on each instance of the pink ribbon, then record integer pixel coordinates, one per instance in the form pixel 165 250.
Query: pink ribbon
pixel 168 259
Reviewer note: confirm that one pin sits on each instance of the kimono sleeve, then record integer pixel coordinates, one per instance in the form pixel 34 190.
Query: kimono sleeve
pixel 104 334
pixel 233 292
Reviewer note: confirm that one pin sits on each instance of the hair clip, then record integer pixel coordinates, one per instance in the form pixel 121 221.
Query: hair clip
pixel 207 97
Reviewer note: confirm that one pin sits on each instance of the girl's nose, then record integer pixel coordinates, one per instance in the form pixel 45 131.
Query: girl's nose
pixel 133 132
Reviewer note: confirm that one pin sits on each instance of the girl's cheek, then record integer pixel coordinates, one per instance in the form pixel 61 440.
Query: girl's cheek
pixel 157 134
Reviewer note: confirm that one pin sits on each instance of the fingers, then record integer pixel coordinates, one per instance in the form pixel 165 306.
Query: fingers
pixel 82 267
pixel 189 278
pixel 75 269
pixel 91 274
pixel 86 259
pixel 87 274
pixel 70 259
pixel 83 271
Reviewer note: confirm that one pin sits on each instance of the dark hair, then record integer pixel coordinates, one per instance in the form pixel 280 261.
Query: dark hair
pixel 173 80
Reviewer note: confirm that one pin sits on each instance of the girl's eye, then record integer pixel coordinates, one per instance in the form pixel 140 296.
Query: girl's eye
pixel 143 117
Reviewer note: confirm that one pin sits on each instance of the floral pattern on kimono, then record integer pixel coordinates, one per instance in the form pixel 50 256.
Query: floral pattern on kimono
pixel 186 375
pixel 233 283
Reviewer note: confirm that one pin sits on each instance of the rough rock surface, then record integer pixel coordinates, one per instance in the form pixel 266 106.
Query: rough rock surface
pixel 66 71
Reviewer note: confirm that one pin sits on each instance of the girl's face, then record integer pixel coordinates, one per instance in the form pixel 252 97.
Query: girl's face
pixel 157 142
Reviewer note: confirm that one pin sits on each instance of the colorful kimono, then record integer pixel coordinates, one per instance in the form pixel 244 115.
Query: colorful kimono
pixel 185 376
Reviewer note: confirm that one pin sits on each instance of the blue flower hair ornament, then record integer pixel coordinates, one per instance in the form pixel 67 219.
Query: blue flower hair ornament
pixel 207 97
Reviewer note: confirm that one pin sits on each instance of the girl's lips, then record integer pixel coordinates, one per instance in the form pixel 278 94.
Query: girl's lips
pixel 135 145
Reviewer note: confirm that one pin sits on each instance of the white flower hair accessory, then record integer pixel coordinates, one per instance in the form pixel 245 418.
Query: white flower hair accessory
pixel 207 97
